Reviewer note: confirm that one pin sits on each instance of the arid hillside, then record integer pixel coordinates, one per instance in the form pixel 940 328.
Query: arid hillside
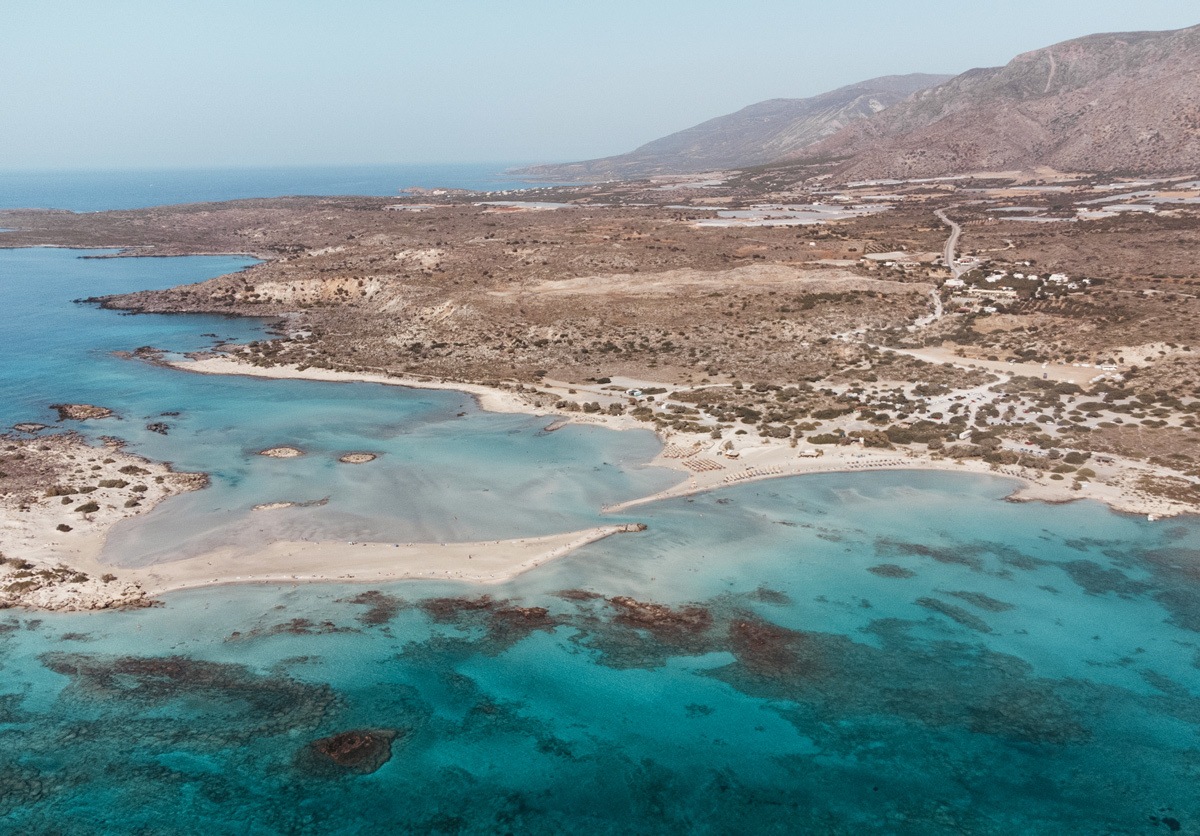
pixel 1124 102
pixel 760 133
pixel 473 291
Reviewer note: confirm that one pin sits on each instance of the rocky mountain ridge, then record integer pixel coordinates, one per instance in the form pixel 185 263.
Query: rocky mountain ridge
pixel 761 133
pixel 1120 103
pixel 1124 102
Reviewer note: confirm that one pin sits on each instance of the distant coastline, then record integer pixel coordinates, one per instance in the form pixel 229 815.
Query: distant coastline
pixel 103 190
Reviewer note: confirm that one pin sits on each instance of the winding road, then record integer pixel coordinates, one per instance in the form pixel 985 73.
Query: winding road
pixel 951 244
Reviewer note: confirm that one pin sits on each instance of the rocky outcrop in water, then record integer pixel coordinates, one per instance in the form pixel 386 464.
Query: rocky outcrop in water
pixel 80 411
pixel 30 427
pixel 281 452
pixel 361 751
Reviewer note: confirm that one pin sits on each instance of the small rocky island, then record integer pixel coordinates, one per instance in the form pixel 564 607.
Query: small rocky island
pixel 281 453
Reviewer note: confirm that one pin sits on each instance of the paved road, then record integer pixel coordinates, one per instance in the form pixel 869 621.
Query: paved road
pixel 951 244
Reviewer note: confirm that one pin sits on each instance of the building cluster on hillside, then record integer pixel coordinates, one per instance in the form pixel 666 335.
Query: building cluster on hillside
pixel 972 292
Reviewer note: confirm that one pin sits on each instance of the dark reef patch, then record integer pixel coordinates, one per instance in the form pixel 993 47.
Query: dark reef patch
pixel 454 610
pixel 978 599
pixel 770 596
pixel 361 752
pixel 891 570
pixel 578 595
pixel 294 627
pixel 381 607
pixel 766 650
pixel 954 613
pixel 958 555
pixel 263 704
pixel 1095 579
pixel 672 625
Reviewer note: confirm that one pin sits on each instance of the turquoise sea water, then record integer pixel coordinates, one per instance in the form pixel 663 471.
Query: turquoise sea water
pixel 884 652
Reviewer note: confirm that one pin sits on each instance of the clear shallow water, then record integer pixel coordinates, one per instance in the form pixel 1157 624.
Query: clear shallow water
pixel 446 470
pixel 1034 670
pixel 897 652
pixel 92 191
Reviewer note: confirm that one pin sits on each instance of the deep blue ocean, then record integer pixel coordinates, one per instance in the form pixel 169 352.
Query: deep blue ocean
pixel 93 191
pixel 874 652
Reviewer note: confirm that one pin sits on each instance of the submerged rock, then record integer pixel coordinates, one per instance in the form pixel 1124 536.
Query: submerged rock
pixel 446 610
pixel 954 613
pixel 578 595
pixel 360 751
pixel 80 411
pixel 770 596
pixel 381 607
pixel 660 617
pixel 29 427
pixel 891 570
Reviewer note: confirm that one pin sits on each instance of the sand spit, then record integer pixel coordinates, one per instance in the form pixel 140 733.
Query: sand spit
pixel 288 562
pixel 62 496
pixel 708 468
pixel 491 399
pixel 51 537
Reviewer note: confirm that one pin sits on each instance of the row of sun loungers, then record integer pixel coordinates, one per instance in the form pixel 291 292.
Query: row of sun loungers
pixel 674 451
pixel 702 465
pixel 753 472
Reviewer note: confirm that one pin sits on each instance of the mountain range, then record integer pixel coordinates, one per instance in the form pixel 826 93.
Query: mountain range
pixel 1120 102
pixel 760 133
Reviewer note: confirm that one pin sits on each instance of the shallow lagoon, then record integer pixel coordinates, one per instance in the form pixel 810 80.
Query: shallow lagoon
pixel 448 471
pixel 896 651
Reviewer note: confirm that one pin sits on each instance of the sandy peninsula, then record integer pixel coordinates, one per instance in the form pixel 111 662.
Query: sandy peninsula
pixel 63 496
pixel 288 562
pixel 51 550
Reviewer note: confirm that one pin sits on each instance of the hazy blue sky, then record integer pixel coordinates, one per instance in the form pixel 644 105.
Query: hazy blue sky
pixel 128 83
